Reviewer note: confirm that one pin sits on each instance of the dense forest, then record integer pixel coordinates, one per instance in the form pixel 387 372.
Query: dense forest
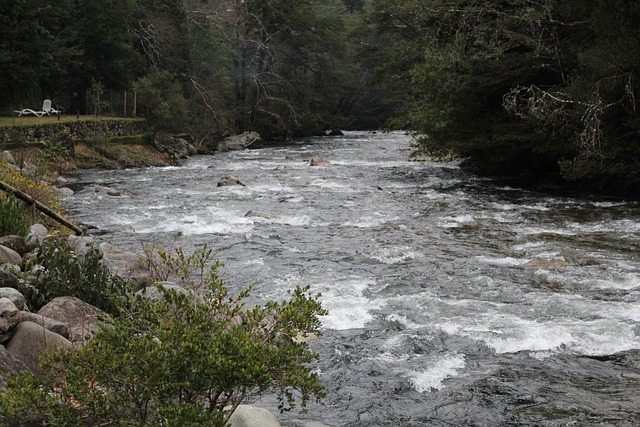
pixel 539 90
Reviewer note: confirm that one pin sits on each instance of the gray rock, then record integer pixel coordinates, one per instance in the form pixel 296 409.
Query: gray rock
pixel 17 243
pixel 228 181
pixel 8 318
pixel 107 191
pixel 319 161
pixel 14 296
pixel 37 233
pixel 63 192
pixel 252 416
pixel 9 256
pixel 82 319
pixel 8 157
pixel 29 341
pixel 81 245
pixel 48 323
pixel 9 364
pixel 127 265
pixel 239 142
pixel 8 280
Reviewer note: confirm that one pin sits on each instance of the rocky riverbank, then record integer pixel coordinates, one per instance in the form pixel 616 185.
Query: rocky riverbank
pixel 67 321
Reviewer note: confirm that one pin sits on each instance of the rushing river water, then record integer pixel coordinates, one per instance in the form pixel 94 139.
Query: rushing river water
pixel 453 301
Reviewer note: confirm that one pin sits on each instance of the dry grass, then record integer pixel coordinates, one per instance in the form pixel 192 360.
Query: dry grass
pixel 33 120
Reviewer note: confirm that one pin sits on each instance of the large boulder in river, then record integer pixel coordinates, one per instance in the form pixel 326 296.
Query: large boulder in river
pixel 239 142
pixel 319 161
pixel 175 146
pixel 226 181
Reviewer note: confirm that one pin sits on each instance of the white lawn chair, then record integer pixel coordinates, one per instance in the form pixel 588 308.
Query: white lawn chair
pixel 46 109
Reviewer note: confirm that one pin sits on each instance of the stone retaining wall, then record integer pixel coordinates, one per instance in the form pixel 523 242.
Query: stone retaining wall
pixel 78 130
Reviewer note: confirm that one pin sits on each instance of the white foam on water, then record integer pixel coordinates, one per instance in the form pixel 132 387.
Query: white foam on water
pixel 369 221
pixel 503 262
pixel 439 368
pixel 298 221
pixel 528 246
pixel 612 329
pixel 627 282
pixel 395 255
pixel 210 221
pixel 348 307
pixel 456 221
pixel 332 185
pixel 403 320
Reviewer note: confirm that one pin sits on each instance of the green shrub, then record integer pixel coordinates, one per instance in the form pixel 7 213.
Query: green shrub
pixel 183 359
pixel 62 272
pixel 14 217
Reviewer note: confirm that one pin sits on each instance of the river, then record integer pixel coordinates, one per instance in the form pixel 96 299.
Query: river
pixel 453 300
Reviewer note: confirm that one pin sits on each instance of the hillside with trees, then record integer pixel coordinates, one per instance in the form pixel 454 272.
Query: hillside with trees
pixel 536 90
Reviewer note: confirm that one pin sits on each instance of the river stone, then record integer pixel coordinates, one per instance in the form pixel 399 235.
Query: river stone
pixel 14 296
pixel 82 319
pixel 29 341
pixel 228 181
pixel 252 416
pixel 7 157
pixel 9 256
pixel 17 243
pixel 82 245
pixel 8 280
pixel 108 191
pixel 63 192
pixel 50 324
pixel 239 142
pixel 9 364
pixel 127 265
pixel 37 233
pixel 8 318
pixel 319 161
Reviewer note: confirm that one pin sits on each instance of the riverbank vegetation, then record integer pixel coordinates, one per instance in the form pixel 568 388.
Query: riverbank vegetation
pixel 178 349
pixel 538 91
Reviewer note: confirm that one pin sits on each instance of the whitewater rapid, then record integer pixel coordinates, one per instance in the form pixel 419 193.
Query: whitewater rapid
pixel 453 300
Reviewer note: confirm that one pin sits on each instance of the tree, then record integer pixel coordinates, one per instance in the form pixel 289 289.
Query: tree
pixel 187 358
pixel 37 49
pixel 524 88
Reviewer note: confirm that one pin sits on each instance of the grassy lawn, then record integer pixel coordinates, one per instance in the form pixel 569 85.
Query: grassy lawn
pixel 32 120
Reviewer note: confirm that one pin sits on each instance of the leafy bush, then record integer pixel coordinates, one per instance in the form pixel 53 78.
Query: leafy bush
pixel 39 190
pixel 61 272
pixel 189 358
pixel 14 218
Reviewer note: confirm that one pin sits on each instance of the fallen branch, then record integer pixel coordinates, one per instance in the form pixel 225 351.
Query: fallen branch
pixel 42 208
